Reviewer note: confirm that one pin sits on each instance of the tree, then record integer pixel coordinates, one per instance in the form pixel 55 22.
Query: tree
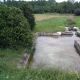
pixel 27 11
pixel 77 12
pixel 14 28
pixel 51 1
pixel 72 1
pixel 67 7
pixel 76 5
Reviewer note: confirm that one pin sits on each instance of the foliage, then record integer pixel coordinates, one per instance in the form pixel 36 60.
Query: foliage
pixel 77 12
pixel 63 7
pixel 14 28
pixel 43 6
pixel 49 6
pixel 27 11
pixel 70 22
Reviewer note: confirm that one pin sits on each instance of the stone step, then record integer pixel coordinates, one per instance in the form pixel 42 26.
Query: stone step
pixel 67 33
pixel 54 34
pixel 47 34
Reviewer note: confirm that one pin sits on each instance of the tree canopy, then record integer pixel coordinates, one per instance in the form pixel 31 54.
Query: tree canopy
pixel 27 11
pixel 48 6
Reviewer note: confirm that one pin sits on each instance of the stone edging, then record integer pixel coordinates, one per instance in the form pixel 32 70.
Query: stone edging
pixel 24 61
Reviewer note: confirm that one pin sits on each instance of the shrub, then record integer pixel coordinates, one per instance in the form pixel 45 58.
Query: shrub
pixel 27 11
pixel 70 22
pixel 77 12
pixel 14 28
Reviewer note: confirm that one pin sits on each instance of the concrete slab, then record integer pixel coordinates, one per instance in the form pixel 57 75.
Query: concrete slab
pixel 58 53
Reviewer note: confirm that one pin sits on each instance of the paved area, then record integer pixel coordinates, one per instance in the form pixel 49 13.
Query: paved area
pixel 58 52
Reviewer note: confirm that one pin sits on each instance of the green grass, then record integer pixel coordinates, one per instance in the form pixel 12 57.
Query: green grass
pixel 77 19
pixel 54 24
pixel 37 74
pixel 9 71
pixel 9 59
pixel 50 25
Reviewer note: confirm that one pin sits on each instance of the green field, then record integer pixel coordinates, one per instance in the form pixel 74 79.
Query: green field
pixel 54 22
pixel 10 58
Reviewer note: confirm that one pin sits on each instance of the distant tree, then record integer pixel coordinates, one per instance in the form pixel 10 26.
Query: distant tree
pixel 51 1
pixel 76 5
pixel 72 1
pixel 27 11
pixel 54 7
pixel 4 1
pixel 77 12
pixel 79 4
pixel 67 7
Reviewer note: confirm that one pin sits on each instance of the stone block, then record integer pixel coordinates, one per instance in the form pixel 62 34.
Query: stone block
pixel 77 46
pixel 24 61
pixel 78 33
pixel 67 33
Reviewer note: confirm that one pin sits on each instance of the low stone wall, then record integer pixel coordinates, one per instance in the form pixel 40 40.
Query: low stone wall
pixel 24 61
pixel 54 34
pixel 78 33
pixel 77 46
pixel 67 33
pixel 47 34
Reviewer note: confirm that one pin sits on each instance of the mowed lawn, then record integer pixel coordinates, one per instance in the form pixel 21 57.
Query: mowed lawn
pixel 53 22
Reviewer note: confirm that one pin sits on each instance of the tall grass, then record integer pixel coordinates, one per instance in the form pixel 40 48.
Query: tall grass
pixel 9 59
pixel 37 74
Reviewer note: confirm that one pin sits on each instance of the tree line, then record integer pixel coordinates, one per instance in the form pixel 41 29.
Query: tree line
pixel 46 6
pixel 50 6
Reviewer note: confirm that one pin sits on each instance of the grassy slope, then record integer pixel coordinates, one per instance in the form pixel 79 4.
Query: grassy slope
pixel 10 58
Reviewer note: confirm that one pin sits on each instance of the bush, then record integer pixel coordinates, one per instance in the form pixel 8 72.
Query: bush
pixel 77 12
pixel 14 28
pixel 27 11
pixel 70 22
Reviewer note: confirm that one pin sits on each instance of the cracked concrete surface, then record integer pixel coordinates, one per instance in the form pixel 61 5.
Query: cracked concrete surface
pixel 58 52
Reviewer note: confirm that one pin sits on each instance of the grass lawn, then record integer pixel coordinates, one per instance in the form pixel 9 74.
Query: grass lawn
pixel 53 22
pixel 10 58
